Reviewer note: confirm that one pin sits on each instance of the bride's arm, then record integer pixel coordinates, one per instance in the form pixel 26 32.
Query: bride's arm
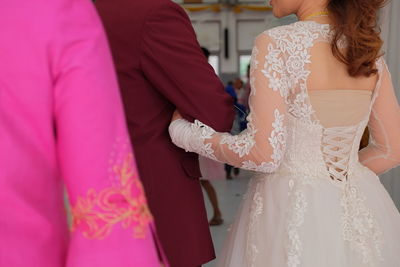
pixel 261 146
pixel 384 151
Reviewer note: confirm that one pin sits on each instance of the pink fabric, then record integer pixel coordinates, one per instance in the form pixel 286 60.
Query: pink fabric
pixel 61 122
pixel 211 169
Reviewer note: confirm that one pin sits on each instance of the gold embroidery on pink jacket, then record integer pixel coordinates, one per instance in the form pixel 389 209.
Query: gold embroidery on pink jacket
pixel 125 203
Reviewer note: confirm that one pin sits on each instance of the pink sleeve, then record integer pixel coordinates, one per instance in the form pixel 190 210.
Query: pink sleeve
pixel 384 151
pixel 111 221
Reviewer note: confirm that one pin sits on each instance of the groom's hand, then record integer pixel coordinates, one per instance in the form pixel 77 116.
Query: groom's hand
pixel 176 116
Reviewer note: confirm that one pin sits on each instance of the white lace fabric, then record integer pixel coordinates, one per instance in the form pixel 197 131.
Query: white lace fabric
pixel 262 145
pixel 384 124
pixel 279 73
pixel 285 137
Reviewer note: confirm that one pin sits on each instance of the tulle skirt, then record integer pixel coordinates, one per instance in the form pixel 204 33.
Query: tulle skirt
pixel 286 220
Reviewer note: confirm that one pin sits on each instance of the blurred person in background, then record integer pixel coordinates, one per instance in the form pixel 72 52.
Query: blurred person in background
pixel 244 97
pixel 211 170
pixel 235 90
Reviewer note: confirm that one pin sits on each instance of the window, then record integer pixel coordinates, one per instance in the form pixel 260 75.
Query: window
pixel 214 62
pixel 244 62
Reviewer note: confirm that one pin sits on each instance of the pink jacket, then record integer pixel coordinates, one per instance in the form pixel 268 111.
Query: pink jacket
pixel 61 123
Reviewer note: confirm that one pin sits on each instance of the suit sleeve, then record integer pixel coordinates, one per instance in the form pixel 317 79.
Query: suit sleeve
pixel 174 63
pixel 111 223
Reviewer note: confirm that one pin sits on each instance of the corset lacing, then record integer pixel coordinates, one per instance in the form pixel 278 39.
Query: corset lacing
pixel 336 150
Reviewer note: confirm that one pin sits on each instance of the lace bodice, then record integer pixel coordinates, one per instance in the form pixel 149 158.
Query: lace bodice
pixel 280 107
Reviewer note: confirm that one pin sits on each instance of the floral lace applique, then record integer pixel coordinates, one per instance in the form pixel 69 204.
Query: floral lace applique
pixel 359 226
pixel 287 60
pixel 277 142
pixel 254 66
pixel 265 167
pixel 256 210
pixel 242 143
pixel 99 211
pixel 295 221
pixel 275 71
pixel 299 108
pixel 278 137
pixel 201 133
pixel 286 69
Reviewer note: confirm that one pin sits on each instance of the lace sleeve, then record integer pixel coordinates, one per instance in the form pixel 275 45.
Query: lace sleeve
pixel 384 151
pixel 262 145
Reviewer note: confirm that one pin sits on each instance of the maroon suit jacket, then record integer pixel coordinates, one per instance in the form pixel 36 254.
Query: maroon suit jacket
pixel 160 68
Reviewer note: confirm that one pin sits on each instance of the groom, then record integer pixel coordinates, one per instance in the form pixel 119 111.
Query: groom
pixel 161 68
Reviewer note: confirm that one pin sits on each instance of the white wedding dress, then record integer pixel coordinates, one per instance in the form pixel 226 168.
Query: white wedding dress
pixel 315 201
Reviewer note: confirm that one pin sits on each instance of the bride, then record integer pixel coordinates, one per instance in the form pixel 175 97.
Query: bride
pixel 315 201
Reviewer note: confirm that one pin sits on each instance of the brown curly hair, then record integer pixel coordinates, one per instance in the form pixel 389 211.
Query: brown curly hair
pixel 356 21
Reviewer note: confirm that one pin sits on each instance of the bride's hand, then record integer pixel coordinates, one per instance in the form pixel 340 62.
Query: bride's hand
pixel 176 116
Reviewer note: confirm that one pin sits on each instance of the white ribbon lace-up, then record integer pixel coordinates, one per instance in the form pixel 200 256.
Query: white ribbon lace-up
pixel 337 149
